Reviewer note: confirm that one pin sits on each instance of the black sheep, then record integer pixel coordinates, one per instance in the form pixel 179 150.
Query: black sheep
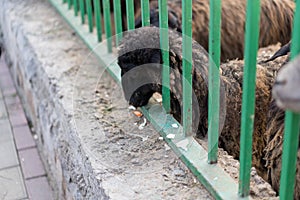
pixel 140 62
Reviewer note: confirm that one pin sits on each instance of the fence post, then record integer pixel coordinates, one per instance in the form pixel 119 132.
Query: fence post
pixel 248 97
pixel 130 14
pixel 118 21
pixel 164 45
pixel 98 17
pixel 69 4
pixel 82 11
pixel 145 12
pixel 187 66
pixel 214 79
pixel 291 128
pixel 107 24
pixel 89 14
pixel 75 3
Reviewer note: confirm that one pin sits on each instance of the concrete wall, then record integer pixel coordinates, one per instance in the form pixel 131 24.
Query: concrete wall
pixel 35 40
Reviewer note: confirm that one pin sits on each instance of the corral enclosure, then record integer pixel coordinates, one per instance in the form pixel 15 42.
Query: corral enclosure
pixel 104 96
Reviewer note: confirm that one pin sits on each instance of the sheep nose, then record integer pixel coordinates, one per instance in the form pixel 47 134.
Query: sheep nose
pixel 280 82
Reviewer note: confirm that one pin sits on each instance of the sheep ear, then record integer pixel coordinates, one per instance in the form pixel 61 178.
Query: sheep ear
pixel 173 20
pixel 281 52
pixel 138 22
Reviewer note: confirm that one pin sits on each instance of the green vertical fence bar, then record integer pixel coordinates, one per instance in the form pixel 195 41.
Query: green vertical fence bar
pixel 248 97
pixel 145 12
pixel 164 44
pixel 89 14
pixel 75 3
pixel 82 10
pixel 118 21
pixel 107 24
pixel 97 11
pixel 69 4
pixel 64 1
pixel 187 65
pixel 130 14
pixel 214 79
pixel 291 128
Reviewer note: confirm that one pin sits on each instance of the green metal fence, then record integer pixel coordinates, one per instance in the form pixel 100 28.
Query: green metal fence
pixel 204 169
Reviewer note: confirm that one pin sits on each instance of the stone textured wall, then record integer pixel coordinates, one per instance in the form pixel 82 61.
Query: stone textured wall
pixel 35 40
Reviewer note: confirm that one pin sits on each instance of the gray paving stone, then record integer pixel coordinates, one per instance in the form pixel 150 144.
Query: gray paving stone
pixel 38 188
pixel 9 91
pixel 23 137
pixel 3 112
pixel 6 81
pixel 5 130
pixel 31 163
pixel 14 109
pixel 12 184
pixel 18 119
pixel 11 100
pixel 8 154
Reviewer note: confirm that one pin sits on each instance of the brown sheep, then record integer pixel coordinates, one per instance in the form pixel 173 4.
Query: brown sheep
pixel 142 47
pixel 274 14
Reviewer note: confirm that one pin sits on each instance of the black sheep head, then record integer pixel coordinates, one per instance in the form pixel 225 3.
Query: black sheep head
pixel 141 75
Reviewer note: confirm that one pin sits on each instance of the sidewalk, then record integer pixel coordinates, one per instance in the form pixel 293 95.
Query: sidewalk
pixel 22 174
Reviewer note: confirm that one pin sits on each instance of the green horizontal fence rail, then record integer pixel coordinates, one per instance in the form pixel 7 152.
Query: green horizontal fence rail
pixel 291 127
pixel 217 182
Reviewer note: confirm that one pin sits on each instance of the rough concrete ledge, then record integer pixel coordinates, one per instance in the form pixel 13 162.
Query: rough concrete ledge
pixel 35 42
pixel 88 141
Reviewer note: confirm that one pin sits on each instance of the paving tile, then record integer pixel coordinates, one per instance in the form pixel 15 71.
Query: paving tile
pixel 14 109
pixel 9 91
pixel 3 112
pixel 3 68
pixel 5 131
pixel 18 119
pixel 12 184
pixel 31 163
pixel 38 188
pixel 11 100
pixel 8 154
pixel 6 81
pixel 23 137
